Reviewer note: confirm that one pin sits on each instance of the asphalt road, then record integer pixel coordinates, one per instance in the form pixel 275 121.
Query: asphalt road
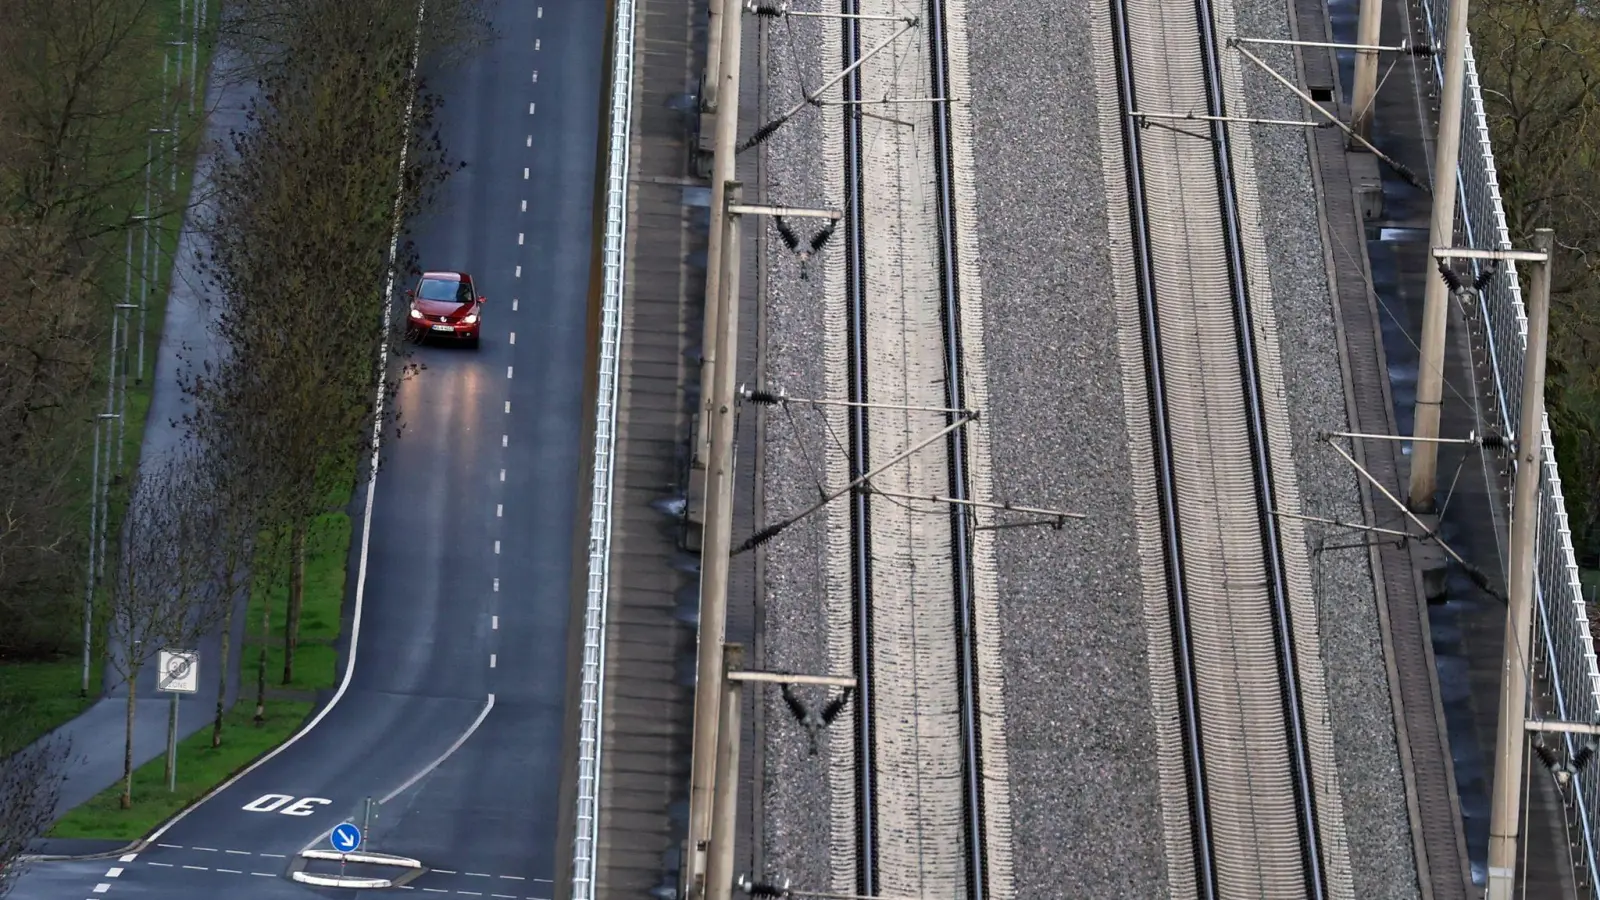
pixel 469 563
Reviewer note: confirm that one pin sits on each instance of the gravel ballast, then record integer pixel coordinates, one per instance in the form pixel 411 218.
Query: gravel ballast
pixel 798 788
pixel 1083 771
pixel 1079 725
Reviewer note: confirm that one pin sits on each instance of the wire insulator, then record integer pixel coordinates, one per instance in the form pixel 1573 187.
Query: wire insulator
pixel 1410 177
pixel 1451 279
pixel 761 134
pixel 765 398
pixel 1486 275
pixel 761 537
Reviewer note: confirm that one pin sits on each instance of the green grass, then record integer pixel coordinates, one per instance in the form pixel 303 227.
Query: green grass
pixel 200 768
pixel 1590 579
pixel 37 696
pixel 316 662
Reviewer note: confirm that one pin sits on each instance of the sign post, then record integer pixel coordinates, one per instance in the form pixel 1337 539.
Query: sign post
pixel 346 839
pixel 177 672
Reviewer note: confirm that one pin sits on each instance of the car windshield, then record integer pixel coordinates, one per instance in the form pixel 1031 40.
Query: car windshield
pixel 444 291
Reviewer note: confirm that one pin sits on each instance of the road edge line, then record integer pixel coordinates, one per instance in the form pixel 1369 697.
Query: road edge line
pixel 372 484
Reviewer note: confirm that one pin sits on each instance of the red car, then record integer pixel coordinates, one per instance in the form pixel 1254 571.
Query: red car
pixel 445 305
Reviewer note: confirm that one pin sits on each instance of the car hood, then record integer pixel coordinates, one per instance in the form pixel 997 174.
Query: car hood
pixel 443 307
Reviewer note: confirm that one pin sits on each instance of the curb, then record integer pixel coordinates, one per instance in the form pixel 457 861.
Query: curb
pixel 414 869
pixel 341 881
pixel 137 846
pixel 376 859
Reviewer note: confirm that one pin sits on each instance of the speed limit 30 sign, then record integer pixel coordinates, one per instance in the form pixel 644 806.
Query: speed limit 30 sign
pixel 178 671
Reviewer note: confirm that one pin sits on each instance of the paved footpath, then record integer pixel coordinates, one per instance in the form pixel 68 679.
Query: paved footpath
pixel 96 736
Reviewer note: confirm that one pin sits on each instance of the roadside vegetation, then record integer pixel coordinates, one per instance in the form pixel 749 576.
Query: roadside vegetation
pixel 1539 64
pixel 247 517
pixel 82 82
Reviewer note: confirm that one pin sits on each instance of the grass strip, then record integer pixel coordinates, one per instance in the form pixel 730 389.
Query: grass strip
pixel 39 695
pixel 315 658
pixel 200 768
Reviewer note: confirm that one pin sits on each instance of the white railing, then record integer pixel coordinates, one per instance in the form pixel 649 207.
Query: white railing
pixel 1562 638
pixel 586 825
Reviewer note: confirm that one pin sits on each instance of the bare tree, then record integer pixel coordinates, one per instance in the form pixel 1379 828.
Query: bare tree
pixel 277 36
pixel 163 594
pixel 46 374
pixel 30 782
pixel 77 101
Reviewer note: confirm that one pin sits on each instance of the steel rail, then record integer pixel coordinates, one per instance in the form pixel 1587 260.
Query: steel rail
pixel 960 514
pixel 1261 463
pixel 1166 486
pixel 1266 498
pixel 860 502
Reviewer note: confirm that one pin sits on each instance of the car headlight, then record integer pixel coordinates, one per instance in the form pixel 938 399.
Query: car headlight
pixel 416 313
pixel 470 320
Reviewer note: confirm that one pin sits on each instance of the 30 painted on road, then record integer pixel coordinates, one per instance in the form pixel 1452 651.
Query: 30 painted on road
pixel 285 804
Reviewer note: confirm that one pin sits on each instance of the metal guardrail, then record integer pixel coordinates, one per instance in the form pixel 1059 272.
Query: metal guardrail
pixel 1562 632
pixel 586 837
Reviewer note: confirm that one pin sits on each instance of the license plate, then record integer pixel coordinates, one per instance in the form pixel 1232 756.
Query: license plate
pixel 444 328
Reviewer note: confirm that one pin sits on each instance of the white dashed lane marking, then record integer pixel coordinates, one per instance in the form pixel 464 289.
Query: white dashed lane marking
pixel 162 865
pixel 535 76
pixel 499 510
pixel 114 872
pixel 505 440
pixel 530 144
pixel 519 271
pixel 525 203
pixel 535 43
pixel 508 402
pixel 491 660
pixel 130 857
pixel 524 173
pixel 497 585
pixel 513 304
pixel 519 239
pixel 496 548
pixel 502 474
pixel 508 371
pixel 513 340
pixel 101 888
pixel 494 623
pixel 532 107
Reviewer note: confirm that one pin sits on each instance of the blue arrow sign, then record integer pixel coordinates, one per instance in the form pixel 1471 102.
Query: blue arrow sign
pixel 345 837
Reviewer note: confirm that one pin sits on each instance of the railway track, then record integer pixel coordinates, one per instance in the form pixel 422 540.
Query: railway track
pixel 1255 828
pixel 918 742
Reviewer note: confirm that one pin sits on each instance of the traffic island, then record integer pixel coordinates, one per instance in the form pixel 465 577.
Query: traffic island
pixel 356 870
